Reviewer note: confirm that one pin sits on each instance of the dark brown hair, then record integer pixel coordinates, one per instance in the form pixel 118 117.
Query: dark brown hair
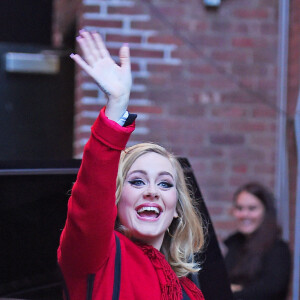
pixel 259 242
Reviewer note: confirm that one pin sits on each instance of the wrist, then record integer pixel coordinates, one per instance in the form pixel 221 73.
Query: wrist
pixel 116 107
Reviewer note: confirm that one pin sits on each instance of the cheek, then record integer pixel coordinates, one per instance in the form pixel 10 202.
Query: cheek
pixel 236 213
pixel 260 217
pixel 172 200
pixel 124 202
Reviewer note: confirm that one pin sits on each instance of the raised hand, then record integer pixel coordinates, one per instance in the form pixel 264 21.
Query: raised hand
pixel 115 81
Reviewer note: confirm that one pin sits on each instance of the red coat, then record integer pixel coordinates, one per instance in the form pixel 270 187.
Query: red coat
pixel 87 243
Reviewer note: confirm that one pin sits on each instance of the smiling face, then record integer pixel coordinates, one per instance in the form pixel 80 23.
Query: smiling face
pixel 249 213
pixel 148 200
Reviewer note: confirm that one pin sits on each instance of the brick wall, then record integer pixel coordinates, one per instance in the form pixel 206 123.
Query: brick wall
pixel 204 87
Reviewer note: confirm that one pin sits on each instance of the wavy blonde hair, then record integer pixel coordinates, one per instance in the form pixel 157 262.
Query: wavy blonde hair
pixel 186 233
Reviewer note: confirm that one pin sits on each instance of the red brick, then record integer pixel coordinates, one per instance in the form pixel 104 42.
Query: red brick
pixel 264 112
pixel 198 164
pixel 115 52
pixel 229 112
pixel 269 29
pixel 240 28
pixel 255 14
pixel 249 70
pixel 240 168
pixel 213 41
pixel 215 210
pixel 264 169
pixel 206 152
pixel 202 69
pixel 90 107
pixel 164 39
pixel 221 83
pixel 173 10
pixel 218 166
pixel 91 9
pixel 135 67
pixel 145 109
pixel 248 126
pixel 266 84
pixel 126 10
pixel 123 38
pixel 266 141
pixel 265 55
pixel 160 79
pixel 211 181
pixel 226 139
pixel 90 93
pixel 183 109
pixel 145 25
pixel 241 42
pixel 138 95
pixel 205 124
pixel 221 26
pixel 146 53
pixel 163 67
pixel 83 135
pixel 187 53
pixel 192 25
pixel 247 154
pixel 84 121
pixel 238 180
pixel 230 55
pixel 196 82
pixel 103 23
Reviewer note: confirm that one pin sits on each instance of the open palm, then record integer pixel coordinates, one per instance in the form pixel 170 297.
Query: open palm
pixel 115 81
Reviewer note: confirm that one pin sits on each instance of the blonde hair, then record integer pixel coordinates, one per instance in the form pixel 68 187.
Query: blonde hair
pixel 186 234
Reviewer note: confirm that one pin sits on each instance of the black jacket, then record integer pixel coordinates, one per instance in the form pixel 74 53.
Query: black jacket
pixel 273 280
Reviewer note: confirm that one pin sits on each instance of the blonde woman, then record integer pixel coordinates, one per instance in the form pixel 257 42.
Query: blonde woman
pixel 131 229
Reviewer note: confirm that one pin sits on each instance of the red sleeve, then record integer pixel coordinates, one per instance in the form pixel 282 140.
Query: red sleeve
pixel 87 237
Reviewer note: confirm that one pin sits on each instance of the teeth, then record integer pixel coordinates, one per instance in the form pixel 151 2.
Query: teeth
pixel 149 208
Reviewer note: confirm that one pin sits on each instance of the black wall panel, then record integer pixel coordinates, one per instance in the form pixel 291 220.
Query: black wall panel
pixel 26 21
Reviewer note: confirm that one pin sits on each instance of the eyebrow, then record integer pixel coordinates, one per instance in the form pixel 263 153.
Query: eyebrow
pixel 145 173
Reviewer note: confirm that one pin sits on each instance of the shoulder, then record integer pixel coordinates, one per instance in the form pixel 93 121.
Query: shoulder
pixel 191 289
pixel 280 247
pixel 279 254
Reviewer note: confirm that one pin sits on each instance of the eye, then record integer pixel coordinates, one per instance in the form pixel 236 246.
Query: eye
pixel 239 208
pixel 252 208
pixel 136 182
pixel 165 184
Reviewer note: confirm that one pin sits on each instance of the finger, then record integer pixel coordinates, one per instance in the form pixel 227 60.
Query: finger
pixel 125 57
pixel 78 59
pixel 100 45
pixel 90 44
pixel 88 56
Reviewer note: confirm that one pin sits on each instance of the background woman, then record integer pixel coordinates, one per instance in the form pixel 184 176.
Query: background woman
pixel 134 237
pixel 258 261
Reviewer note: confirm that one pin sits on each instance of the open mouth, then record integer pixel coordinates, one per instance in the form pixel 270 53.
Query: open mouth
pixel 148 212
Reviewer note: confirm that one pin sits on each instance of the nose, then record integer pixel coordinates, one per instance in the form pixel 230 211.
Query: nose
pixel 151 193
pixel 244 213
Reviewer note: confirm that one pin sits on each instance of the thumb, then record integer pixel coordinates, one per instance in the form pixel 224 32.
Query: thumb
pixel 125 57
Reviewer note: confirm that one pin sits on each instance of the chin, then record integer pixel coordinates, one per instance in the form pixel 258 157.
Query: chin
pixel 247 231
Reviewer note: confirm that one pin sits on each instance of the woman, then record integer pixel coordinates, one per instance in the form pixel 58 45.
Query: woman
pixel 134 238
pixel 258 261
